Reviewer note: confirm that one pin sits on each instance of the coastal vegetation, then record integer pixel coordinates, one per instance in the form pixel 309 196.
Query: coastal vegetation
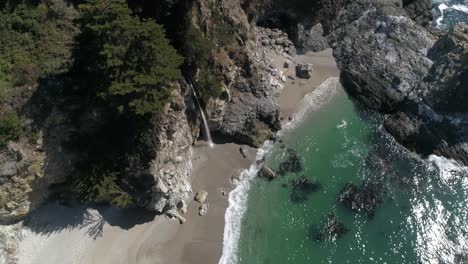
pixel 120 59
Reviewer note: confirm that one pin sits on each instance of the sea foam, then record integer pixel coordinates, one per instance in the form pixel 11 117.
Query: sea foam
pixel 238 198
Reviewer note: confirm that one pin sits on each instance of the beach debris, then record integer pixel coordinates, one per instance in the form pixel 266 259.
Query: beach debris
pixel 267 173
pixel 203 209
pixel 304 71
pixel 302 187
pixel 222 191
pixel 201 196
pixel 243 152
pixel 287 64
pixel 293 164
pixel 235 178
pixel 332 229
pixel 361 199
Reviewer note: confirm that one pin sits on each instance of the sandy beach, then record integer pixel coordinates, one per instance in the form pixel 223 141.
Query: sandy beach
pixel 324 67
pixel 58 234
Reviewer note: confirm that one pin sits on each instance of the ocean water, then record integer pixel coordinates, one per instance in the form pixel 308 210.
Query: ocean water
pixel 449 12
pixel 423 218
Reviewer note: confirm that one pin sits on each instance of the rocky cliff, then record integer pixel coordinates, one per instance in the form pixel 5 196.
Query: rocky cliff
pixel 247 111
pixel 394 65
pixel 163 185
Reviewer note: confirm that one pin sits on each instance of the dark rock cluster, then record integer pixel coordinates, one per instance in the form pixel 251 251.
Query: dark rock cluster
pixel 365 198
pixel 267 173
pixel 330 230
pixel 292 164
pixel 302 187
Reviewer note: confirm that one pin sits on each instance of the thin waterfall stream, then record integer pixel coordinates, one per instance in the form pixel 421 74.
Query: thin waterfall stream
pixel 205 122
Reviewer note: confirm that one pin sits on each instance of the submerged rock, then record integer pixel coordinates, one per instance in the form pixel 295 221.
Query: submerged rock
pixel 330 230
pixel 302 187
pixel 361 199
pixel 293 164
pixel 267 173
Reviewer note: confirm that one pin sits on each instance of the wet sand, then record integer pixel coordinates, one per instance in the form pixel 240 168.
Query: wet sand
pixel 324 67
pixel 59 235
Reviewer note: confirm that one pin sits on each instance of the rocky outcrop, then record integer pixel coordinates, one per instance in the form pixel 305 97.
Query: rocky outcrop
pixel 30 166
pixel 267 173
pixel 419 10
pixel 169 172
pixel 381 53
pixel 366 198
pixel 442 135
pixel 247 111
pixel 393 65
pixel 311 39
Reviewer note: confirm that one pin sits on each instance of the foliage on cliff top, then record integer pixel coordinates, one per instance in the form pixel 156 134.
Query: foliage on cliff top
pixel 35 41
pixel 123 61
pixel 10 127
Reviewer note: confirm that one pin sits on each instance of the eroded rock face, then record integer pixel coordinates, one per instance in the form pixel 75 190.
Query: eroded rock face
pixel 28 168
pixel 393 65
pixel 251 115
pixel 419 10
pixel 382 54
pixel 247 111
pixel 311 39
pixel 163 184
pixel 267 173
pixel 172 167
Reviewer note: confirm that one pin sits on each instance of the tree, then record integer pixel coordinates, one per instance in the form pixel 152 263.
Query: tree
pixel 123 61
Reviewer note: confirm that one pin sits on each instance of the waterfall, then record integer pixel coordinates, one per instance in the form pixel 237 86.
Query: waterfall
pixel 205 122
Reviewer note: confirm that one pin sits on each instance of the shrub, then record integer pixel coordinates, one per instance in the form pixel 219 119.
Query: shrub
pixel 196 48
pixel 207 85
pixel 10 128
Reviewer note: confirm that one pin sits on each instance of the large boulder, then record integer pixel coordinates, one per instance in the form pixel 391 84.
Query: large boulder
pixel 304 71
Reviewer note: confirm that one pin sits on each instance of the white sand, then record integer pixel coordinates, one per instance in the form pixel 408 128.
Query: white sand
pixel 58 235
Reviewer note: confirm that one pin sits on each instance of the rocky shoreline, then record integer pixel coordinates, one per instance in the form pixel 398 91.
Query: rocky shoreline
pixel 390 61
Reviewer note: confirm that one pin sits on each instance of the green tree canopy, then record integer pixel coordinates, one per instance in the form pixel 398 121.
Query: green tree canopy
pixel 125 61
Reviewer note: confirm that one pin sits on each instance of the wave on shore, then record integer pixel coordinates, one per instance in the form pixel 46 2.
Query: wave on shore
pixel 238 198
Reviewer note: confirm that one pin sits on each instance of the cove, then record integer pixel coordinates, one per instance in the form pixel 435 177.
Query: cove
pixel 422 218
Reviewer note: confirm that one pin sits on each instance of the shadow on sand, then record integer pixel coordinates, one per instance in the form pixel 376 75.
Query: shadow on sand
pixel 53 218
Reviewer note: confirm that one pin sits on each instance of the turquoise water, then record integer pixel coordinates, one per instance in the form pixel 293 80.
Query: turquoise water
pixel 423 218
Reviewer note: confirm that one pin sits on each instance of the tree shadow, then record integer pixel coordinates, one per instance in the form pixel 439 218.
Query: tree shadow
pixel 53 218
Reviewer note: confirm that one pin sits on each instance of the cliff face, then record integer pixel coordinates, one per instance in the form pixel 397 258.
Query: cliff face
pixel 169 186
pixel 393 65
pixel 247 111
pixel 30 166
